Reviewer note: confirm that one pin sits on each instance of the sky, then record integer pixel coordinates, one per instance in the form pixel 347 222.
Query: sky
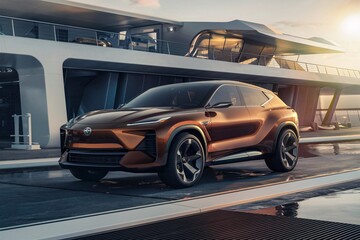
pixel 334 20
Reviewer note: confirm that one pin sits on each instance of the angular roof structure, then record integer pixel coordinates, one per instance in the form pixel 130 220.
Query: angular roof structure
pixel 100 18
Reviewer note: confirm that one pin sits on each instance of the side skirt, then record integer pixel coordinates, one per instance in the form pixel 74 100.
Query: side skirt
pixel 240 157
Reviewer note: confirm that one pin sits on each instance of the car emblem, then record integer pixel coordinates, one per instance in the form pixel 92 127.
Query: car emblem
pixel 87 131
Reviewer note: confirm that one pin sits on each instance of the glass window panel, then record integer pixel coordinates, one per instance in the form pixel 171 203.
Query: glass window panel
pixel 33 30
pixel 5 27
pixel 83 36
pixel 217 41
pixel 252 96
pixel 200 45
pixel 226 94
pixel 106 39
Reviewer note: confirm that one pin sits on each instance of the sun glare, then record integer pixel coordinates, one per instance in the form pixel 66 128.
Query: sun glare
pixel 351 25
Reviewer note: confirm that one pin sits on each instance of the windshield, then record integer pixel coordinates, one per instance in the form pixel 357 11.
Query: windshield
pixel 182 96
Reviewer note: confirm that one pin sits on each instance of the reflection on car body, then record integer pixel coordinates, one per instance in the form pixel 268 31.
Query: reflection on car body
pixel 176 130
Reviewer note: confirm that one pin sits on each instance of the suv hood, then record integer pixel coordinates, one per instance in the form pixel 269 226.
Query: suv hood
pixel 122 116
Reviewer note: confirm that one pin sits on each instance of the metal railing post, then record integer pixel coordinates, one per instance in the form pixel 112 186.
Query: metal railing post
pixel 55 37
pixel 13 27
pixel 96 39
pixel 131 43
pixel 16 128
pixel 29 133
pixel 168 48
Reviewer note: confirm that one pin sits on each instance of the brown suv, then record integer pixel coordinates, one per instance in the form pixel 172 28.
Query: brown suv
pixel 177 130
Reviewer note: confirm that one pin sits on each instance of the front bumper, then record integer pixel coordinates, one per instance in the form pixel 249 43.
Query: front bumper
pixel 87 159
pixel 110 149
pixel 132 161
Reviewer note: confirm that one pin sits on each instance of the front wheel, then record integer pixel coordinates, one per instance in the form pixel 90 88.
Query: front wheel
pixel 185 163
pixel 285 156
pixel 88 174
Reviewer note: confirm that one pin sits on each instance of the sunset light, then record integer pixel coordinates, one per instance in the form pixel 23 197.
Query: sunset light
pixel 351 25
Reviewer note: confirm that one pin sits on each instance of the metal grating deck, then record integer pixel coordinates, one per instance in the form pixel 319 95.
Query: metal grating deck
pixel 223 224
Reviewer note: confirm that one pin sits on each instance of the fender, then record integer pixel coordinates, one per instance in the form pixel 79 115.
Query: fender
pixel 183 129
pixel 280 128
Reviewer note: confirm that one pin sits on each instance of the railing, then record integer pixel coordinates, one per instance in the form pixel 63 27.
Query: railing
pixel 63 33
pixel 341 115
pixel 311 67
pixel 272 61
pixel 26 136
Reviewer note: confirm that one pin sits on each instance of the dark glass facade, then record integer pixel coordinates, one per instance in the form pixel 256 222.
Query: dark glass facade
pixel 230 48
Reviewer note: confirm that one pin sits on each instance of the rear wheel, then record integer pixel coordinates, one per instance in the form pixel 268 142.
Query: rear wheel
pixel 185 163
pixel 88 175
pixel 285 156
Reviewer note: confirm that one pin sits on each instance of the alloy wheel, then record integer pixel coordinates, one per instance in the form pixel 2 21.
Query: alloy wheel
pixel 189 160
pixel 289 150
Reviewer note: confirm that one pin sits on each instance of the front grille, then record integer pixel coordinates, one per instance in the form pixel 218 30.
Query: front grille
pixel 98 158
pixel 148 145
pixel 97 136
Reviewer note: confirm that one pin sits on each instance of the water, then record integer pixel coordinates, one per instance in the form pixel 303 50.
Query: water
pixel 329 149
pixel 342 207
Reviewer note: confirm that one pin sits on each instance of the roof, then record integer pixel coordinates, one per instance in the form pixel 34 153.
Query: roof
pixel 216 83
pixel 285 44
pixel 77 14
pixel 82 15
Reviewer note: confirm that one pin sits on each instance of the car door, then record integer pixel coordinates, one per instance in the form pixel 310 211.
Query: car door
pixel 259 107
pixel 229 119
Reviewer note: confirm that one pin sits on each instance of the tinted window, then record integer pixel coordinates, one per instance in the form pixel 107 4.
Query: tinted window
pixel 5 26
pixel 226 93
pixel 33 30
pixel 253 97
pixel 183 96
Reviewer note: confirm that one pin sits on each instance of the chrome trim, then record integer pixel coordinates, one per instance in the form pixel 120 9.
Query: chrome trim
pixel 240 155
pixel 263 105
pixel 148 122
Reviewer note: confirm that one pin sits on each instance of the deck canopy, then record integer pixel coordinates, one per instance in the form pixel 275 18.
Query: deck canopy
pixel 263 35
pixel 77 14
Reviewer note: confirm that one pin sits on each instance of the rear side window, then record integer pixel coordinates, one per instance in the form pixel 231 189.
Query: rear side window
pixel 253 96
pixel 226 93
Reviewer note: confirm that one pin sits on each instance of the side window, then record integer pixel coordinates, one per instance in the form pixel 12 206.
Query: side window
pixel 226 93
pixel 253 96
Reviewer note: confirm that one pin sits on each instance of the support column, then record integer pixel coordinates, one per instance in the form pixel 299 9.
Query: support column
pixel 331 110
pixel 304 100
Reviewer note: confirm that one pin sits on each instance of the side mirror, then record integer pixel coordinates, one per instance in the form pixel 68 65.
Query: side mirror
pixel 220 105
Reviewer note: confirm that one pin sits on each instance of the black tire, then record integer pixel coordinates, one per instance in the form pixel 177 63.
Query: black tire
pixel 285 156
pixel 185 163
pixel 88 174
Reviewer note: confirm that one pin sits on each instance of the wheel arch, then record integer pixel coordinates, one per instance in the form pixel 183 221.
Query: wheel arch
pixel 281 128
pixel 192 129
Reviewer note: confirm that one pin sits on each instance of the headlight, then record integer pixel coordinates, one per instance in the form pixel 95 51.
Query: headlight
pixel 74 120
pixel 148 121
pixel 69 123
